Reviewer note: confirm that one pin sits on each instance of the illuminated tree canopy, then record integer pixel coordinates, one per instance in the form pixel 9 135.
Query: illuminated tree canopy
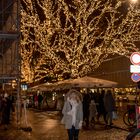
pixel 70 38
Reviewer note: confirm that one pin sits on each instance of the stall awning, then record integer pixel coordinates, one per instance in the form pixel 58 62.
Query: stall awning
pixel 84 82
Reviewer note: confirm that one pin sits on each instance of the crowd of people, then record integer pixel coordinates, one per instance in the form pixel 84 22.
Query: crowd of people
pixel 37 100
pixel 97 105
pixel 80 110
pixel 93 105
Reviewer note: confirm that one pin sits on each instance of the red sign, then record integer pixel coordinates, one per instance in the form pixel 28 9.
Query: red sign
pixel 135 77
pixel 135 58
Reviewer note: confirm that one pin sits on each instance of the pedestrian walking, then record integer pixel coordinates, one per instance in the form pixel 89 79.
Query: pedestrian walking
pixel 35 101
pixel 92 112
pixel 73 114
pixel 40 99
pixel 109 103
pixel 6 107
pixel 101 107
pixel 86 102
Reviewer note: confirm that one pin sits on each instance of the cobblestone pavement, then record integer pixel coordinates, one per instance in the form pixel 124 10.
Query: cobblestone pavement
pixel 47 126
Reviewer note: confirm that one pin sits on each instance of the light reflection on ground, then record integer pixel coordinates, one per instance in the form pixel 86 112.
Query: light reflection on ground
pixel 46 126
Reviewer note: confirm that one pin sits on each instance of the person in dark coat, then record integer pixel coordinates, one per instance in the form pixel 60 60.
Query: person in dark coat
pixel 6 107
pixel 101 107
pixel 109 103
pixel 40 99
pixel 86 102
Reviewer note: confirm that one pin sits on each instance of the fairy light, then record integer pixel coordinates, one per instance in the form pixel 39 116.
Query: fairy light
pixel 134 1
pixel 74 38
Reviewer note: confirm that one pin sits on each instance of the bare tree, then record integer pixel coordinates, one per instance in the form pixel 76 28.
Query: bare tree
pixel 70 38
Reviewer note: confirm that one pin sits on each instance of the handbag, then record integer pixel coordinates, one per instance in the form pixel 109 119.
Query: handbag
pixel 114 115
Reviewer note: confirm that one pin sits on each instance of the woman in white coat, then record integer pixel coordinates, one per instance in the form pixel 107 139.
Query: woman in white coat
pixel 73 114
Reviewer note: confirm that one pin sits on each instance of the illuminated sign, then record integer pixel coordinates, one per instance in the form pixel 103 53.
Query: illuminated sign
pixel 135 77
pixel 135 68
pixel 135 58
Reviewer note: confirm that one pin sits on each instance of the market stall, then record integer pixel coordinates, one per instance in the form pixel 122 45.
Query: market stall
pixel 84 82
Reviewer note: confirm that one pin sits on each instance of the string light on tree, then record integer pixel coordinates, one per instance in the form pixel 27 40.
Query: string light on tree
pixel 71 38
pixel 134 1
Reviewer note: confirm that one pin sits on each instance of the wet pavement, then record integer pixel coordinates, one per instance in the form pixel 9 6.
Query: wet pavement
pixel 46 125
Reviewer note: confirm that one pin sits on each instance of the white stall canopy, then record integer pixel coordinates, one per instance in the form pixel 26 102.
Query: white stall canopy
pixel 84 82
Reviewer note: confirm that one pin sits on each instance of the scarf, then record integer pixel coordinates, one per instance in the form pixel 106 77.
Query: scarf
pixel 73 111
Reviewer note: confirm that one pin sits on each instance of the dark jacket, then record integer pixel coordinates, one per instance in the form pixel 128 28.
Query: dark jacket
pixel 109 102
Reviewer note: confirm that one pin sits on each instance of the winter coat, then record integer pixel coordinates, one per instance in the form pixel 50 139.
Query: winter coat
pixel 109 103
pixel 67 119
